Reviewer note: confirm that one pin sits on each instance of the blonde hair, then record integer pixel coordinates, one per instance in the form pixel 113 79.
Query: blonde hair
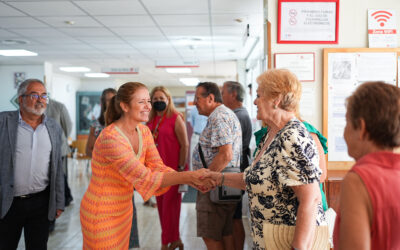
pixel 276 83
pixel 170 109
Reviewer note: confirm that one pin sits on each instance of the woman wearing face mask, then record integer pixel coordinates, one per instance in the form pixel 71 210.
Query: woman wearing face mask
pixel 169 132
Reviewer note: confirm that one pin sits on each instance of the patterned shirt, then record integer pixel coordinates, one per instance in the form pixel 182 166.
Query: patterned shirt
pixel 290 160
pixel 223 127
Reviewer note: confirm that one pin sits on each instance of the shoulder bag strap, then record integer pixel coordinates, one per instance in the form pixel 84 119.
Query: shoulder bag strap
pixel 202 157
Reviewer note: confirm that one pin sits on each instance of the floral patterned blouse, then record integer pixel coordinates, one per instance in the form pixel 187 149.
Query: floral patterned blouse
pixel 290 160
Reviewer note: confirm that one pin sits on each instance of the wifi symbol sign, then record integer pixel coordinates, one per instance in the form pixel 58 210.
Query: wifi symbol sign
pixel 381 17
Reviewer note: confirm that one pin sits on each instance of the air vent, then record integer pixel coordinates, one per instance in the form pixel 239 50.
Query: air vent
pixel 14 42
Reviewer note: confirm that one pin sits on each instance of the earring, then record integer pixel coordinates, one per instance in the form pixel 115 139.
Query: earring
pixel 275 107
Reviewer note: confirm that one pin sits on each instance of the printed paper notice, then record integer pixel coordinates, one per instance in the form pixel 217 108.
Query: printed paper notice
pixel 382 32
pixel 308 21
pixel 301 64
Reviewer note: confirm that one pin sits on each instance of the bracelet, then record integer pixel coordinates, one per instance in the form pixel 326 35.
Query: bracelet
pixel 222 181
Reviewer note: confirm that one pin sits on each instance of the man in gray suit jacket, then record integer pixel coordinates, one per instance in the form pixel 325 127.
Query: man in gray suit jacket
pixel 31 175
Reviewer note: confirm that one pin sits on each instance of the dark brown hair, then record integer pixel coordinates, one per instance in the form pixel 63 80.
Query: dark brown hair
pixel 211 88
pixel 104 104
pixel 124 94
pixel 378 104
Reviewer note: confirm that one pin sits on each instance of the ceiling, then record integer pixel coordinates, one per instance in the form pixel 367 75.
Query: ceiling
pixel 132 33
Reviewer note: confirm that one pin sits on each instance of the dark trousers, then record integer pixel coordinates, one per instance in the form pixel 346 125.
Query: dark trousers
pixel 29 214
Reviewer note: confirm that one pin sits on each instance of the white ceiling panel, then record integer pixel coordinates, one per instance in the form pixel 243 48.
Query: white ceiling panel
pixel 79 21
pixel 236 6
pixel 101 39
pixel 48 8
pixel 182 20
pixel 20 22
pixel 56 40
pixel 6 34
pixel 40 32
pixel 187 31
pixel 85 32
pixel 129 7
pixel 6 10
pixel 229 30
pixel 137 31
pixel 126 21
pixel 150 44
pixel 111 46
pixel 177 6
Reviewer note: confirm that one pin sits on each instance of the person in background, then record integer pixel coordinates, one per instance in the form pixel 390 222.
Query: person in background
pixel 125 158
pixel 198 123
pixel 232 97
pixel 221 143
pixel 59 113
pixel 283 180
pixel 99 124
pixel 31 172
pixel 369 213
pixel 169 132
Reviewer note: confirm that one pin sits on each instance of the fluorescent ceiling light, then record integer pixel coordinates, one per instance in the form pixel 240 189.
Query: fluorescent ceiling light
pixel 189 81
pixel 17 52
pixel 103 75
pixel 74 69
pixel 178 70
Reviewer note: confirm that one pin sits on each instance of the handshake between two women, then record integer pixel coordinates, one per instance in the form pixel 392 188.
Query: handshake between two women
pixel 205 180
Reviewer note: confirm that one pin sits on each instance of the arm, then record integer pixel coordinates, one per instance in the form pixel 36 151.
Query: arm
pixel 223 157
pixel 234 180
pixel 180 132
pixel 322 162
pixel 90 142
pixel 356 214
pixel 308 196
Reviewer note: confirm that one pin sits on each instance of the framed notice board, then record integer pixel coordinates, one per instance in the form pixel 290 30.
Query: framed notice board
pixel 344 70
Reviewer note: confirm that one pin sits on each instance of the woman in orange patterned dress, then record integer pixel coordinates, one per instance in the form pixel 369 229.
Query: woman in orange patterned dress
pixel 125 158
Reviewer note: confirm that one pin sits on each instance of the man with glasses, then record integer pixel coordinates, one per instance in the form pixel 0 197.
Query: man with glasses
pixel 221 143
pixel 31 175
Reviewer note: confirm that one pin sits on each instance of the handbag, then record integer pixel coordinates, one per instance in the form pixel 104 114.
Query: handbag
pixel 280 237
pixel 223 194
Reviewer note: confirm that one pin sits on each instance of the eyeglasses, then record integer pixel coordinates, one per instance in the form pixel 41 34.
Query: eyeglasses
pixel 35 97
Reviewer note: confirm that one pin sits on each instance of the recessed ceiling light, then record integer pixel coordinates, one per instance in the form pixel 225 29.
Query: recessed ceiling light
pixel 178 70
pixel 189 81
pixel 74 69
pixel 98 75
pixel 69 22
pixel 17 52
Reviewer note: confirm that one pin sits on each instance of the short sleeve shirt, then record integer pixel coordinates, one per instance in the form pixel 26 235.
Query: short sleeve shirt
pixel 290 160
pixel 223 127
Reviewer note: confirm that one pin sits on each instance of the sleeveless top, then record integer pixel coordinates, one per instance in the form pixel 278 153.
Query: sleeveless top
pixel 380 173
pixel 167 142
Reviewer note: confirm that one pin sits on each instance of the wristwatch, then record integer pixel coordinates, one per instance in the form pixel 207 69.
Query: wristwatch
pixel 181 168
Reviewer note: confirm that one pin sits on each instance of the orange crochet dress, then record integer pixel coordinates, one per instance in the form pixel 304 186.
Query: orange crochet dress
pixel 106 207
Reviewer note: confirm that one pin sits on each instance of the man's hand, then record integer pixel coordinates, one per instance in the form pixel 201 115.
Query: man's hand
pixel 58 213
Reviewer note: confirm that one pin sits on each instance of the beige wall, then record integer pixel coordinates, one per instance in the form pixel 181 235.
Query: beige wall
pixel 352 34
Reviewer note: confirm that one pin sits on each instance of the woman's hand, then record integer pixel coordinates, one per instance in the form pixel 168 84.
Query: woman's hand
pixel 201 180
